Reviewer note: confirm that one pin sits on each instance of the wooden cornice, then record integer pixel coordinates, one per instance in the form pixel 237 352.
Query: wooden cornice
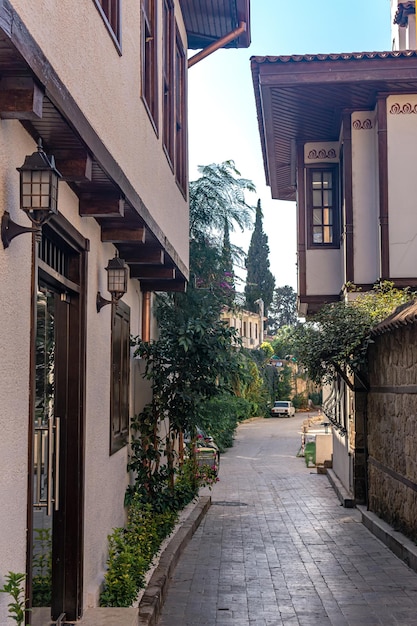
pixel 20 98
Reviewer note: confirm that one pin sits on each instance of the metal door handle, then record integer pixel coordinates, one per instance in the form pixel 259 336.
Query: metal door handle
pixel 57 451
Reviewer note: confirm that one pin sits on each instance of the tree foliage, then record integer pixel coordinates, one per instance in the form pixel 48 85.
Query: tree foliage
pixel 195 357
pixel 218 196
pixel 283 342
pixel 336 341
pixel 259 281
pixel 283 309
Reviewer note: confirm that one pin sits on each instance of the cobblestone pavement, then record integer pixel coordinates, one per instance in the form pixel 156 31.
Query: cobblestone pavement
pixel 277 548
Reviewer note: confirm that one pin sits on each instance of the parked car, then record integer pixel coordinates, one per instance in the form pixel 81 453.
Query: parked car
pixel 282 408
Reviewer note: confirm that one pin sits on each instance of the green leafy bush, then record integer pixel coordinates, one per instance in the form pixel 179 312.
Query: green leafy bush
pixel 300 401
pixel 220 416
pixel 131 550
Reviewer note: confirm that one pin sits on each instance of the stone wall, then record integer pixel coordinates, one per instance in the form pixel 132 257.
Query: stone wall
pixel 392 428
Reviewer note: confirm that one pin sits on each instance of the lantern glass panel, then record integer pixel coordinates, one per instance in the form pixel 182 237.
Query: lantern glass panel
pixel 117 281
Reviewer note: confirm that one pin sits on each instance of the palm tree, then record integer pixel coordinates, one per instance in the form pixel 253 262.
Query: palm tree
pixel 218 197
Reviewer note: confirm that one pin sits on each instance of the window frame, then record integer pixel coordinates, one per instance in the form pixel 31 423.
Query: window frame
pixel 119 376
pixel 149 65
pixel 334 208
pixel 168 82
pixel 181 155
pixel 110 11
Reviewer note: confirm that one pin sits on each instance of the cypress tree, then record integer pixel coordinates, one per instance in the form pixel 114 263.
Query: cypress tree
pixel 260 282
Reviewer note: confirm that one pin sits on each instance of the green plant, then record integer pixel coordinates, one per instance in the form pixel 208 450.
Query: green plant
pixel 336 341
pixel 15 586
pixel 42 567
pixel 300 401
pixel 131 550
pixel 310 453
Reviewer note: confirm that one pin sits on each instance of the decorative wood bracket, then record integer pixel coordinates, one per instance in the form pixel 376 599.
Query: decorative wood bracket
pixel 20 98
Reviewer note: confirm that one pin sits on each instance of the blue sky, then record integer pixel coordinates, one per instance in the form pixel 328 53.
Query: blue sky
pixel 222 114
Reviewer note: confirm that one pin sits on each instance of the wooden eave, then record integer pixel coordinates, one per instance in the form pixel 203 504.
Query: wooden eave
pixel 31 91
pixel 207 21
pixel 403 11
pixel 302 98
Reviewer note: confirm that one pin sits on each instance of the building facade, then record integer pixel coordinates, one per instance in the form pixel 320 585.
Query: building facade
pixel 102 89
pixel 339 137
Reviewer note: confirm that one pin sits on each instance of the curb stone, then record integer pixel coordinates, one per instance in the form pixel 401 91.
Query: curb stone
pixel 154 596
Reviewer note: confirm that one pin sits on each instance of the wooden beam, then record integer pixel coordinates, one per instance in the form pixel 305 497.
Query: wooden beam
pixel 101 205
pixel 20 99
pixel 74 167
pixel 123 235
pixel 179 286
pixel 145 256
pixel 152 272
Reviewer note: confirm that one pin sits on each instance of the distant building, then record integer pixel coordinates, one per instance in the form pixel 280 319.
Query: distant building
pixel 247 324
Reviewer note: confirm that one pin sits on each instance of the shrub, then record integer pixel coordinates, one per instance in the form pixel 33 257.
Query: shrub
pixel 300 401
pixel 220 416
pixel 131 550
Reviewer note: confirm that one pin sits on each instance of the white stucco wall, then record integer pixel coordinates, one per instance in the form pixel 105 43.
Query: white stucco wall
pixel 105 476
pixel 342 460
pixel 324 272
pixel 365 198
pixel 402 192
pixel 15 307
pixel 106 86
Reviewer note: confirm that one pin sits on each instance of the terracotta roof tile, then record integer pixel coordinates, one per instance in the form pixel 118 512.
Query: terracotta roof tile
pixel 402 316
pixel 342 56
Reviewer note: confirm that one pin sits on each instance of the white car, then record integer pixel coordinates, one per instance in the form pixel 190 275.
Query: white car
pixel 282 408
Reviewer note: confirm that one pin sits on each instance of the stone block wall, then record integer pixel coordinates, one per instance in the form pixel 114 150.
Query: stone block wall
pixel 392 428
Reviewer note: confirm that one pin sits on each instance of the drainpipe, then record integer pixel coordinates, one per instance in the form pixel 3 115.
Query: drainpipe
pixel 220 43
pixel 146 316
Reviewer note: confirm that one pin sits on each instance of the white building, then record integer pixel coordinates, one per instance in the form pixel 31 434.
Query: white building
pixel 103 84
pixel 339 137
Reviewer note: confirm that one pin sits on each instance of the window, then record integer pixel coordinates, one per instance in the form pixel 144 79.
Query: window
pixel 149 59
pixel 110 12
pixel 119 390
pixel 168 81
pixel 180 116
pixel 322 205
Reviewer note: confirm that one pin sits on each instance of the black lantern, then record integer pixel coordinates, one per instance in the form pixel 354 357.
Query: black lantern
pixel 38 195
pixel 117 273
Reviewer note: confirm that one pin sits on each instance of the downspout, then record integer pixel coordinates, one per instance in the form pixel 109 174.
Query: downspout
pixel 220 43
pixel 146 316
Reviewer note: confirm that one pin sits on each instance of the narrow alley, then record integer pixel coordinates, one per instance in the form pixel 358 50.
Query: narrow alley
pixel 277 548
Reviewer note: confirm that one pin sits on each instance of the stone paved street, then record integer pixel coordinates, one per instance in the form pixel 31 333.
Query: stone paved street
pixel 277 548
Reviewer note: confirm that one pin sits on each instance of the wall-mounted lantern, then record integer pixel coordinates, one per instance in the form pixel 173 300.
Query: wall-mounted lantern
pixel 117 273
pixel 38 195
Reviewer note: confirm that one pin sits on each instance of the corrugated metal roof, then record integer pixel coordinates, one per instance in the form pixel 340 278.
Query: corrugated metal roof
pixel 402 316
pixel 206 21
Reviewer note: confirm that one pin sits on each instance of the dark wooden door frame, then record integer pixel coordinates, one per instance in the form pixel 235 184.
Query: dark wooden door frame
pixel 67 564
